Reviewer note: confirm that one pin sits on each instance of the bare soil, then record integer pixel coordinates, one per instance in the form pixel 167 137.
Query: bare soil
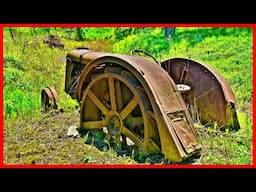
pixel 45 141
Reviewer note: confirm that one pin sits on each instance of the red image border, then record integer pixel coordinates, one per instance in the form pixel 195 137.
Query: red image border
pixel 2 165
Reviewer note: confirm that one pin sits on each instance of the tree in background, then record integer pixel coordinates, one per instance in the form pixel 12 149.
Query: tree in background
pixel 169 32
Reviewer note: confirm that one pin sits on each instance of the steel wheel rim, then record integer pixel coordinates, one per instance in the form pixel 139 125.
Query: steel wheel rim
pixel 113 115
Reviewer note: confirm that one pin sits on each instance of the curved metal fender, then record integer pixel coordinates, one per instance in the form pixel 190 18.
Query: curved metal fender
pixel 175 126
pixel 211 97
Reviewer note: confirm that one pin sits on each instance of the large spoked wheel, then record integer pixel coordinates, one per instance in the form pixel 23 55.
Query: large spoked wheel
pixel 117 103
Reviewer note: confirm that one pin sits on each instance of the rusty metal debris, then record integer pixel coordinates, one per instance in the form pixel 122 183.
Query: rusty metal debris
pixel 53 41
pixel 131 98
pixel 49 99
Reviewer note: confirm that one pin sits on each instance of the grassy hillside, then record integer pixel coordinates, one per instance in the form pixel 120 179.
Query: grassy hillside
pixel 30 65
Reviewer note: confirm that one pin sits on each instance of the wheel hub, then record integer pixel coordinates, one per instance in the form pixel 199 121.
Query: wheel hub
pixel 115 123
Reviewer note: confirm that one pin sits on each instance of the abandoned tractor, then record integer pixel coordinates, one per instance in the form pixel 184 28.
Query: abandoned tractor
pixel 150 104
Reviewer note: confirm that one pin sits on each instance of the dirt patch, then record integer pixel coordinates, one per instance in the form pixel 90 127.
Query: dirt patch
pixel 46 142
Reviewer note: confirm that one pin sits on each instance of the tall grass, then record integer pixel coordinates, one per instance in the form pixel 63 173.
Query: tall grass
pixel 29 66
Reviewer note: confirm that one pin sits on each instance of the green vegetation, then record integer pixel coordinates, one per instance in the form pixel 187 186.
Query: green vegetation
pixel 30 65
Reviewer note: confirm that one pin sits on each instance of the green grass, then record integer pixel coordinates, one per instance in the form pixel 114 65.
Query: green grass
pixel 28 68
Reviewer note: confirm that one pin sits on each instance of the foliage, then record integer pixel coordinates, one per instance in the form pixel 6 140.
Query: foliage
pixel 226 147
pixel 29 66
pixel 151 40
pixel 96 33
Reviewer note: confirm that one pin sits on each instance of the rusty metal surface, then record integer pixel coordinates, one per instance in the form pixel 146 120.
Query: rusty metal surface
pixel 146 85
pixel 49 99
pixel 211 98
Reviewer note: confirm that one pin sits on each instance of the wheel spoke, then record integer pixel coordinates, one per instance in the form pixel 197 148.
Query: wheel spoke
pixel 136 121
pixel 133 122
pixel 97 102
pixel 119 96
pixel 112 103
pixel 129 108
pixel 112 93
pixel 132 136
pixel 94 124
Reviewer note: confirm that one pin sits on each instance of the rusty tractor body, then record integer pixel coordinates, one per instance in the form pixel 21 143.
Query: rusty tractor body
pixel 133 98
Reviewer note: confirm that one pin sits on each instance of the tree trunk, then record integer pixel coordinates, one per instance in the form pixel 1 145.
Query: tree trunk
pixel 169 32
pixel 12 34
pixel 79 34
